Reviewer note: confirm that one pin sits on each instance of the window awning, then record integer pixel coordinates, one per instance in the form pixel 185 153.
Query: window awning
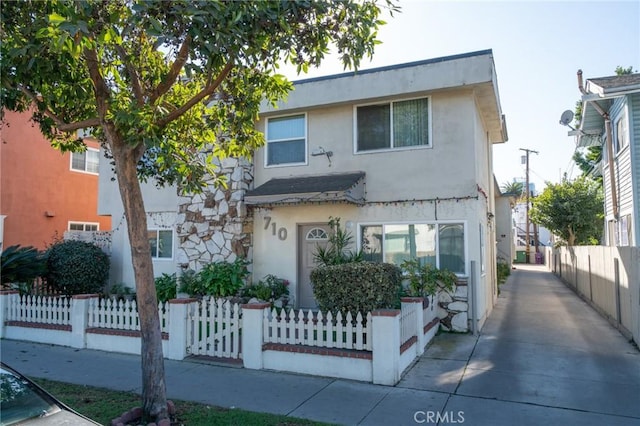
pixel 342 187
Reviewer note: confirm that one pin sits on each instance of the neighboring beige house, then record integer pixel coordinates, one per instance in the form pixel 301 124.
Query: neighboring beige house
pixel 505 235
pixel 401 154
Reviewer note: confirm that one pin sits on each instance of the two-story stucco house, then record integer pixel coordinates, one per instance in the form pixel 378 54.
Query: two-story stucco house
pixel 401 154
pixel 611 117
pixel 45 193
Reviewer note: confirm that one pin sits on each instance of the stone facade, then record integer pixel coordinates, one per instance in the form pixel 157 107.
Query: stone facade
pixel 214 226
pixel 453 308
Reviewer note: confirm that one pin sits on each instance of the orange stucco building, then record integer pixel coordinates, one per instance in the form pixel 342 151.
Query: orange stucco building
pixel 44 192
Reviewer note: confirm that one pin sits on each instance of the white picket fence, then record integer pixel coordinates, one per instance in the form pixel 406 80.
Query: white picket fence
pixel 40 310
pixel 318 329
pixel 407 322
pixel 121 314
pixel 376 347
pixel 213 329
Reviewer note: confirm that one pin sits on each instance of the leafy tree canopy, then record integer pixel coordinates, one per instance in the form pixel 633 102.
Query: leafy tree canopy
pixel 166 86
pixel 180 80
pixel 573 210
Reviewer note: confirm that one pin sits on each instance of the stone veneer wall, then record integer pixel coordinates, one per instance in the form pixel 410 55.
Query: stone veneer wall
pixel 214 226
pixel 453 308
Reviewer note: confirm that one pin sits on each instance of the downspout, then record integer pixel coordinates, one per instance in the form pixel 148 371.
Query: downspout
pixel 609 135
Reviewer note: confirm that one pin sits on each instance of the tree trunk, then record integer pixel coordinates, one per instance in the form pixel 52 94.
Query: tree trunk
pixel 572 237
pixel 154 399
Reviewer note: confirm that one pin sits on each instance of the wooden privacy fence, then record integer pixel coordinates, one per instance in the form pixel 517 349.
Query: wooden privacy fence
pixel 608 278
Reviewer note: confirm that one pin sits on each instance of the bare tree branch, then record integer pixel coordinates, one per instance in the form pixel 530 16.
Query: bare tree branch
pixel 170 78
pixel 61 125
pixel 207 91
pixel 133 76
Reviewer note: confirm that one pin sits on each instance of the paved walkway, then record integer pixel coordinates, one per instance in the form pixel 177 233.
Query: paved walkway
pixel 544 357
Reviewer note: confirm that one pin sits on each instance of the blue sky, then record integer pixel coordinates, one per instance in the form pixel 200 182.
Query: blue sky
pixel 538 47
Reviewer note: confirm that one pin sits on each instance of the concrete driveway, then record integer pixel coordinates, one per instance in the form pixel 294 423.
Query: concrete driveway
pixel 543 357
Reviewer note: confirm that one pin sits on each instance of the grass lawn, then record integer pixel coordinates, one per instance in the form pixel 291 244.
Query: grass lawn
pixel 103 405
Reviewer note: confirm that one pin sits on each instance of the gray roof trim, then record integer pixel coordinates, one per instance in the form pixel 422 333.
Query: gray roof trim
pixel 395 67
pixel 615 85
pixel 342 187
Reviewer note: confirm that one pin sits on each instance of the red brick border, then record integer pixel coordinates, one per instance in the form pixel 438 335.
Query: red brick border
pixel 26 324
pixel 313 350
pixel 386 313
pixel 182 301
pixel 115 332
pixel 431 324
pixel 406 345
pixel 255 305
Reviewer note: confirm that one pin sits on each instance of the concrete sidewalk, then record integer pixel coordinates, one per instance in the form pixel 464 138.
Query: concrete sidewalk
pixel 543 357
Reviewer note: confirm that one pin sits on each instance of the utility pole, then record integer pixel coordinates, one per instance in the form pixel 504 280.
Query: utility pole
pixel 528 246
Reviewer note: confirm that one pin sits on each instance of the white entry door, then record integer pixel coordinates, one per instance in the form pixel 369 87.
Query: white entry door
pixel 309 238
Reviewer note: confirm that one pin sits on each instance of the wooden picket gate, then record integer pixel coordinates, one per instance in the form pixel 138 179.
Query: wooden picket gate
pixel 213 329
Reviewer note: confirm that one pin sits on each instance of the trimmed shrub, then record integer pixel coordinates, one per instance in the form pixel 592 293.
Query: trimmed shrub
pixel 357 287
pixel 77 267
pixel 21 265
pixel 166 285
pixel 219 279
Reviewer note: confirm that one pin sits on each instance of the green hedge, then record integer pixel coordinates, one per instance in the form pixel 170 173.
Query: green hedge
pixel 76 267
pixel 357 287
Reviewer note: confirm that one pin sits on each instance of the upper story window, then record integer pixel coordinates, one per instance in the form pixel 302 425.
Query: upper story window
pixel 286 140
pixel 621 138
pixel 83 226
pixel 402 124
pixel 85 161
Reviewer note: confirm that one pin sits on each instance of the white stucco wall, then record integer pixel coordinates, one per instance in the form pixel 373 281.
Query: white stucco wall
pixel 444 170
pixel 280 257
pixel 160 204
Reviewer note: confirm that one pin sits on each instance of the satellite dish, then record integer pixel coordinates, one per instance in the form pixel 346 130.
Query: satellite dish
pixel 566 117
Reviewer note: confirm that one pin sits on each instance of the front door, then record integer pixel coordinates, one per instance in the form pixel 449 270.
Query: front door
pixel 309 237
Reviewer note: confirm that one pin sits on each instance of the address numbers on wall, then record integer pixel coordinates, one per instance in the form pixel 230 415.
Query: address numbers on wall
pixel 281 232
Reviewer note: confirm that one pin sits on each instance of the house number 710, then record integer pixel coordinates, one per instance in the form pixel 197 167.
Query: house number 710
pixel 281 232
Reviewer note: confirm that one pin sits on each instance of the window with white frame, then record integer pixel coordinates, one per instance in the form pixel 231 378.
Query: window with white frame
pixel 394 125
pixel 439 244
pixel 286 140
pixel 161 241
pixel 83 226
pixel 87 161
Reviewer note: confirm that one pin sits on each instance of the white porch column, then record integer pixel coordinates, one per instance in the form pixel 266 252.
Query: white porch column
pixel 253 334
pixel 386 346
pixel 5 297
pixel 178 317
pixel 417 303
pixel 80 318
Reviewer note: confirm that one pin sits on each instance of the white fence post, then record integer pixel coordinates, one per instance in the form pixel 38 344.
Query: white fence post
pixel 253 334
pixel 80 318
pixel 417 303
pixel 386 346
pixel 5 297
pixel 178 311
